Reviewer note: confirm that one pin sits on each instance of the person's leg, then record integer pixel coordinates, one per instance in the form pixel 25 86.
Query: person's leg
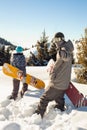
pixel 48 95
pixel 60 101
pixel 15 90
pixel 24 89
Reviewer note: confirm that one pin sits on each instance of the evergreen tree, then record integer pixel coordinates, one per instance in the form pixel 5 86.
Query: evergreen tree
pixel 42 48
pixel 33 61
pixel 4 55
pixel 82 59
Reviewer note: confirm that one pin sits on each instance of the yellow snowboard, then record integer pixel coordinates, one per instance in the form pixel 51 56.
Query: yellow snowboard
pixel 14 72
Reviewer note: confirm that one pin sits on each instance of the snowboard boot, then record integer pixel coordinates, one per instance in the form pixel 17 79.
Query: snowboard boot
pixel 60 107
pixel 39 112
pixel 12 96
pixel 21 93
pixel 24 89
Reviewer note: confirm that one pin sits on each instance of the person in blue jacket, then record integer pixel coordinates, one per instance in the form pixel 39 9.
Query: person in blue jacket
pixel 18 60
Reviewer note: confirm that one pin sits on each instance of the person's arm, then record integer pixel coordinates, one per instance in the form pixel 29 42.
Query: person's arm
pixel 57 67
pixel 66 51
pixel 12 60
pixel 64 54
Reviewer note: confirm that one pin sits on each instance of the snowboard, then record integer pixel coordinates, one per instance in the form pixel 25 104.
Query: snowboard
pixel 16 73
pixel 76 97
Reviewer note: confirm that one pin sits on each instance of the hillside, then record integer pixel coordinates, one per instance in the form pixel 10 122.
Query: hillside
pixel 4 42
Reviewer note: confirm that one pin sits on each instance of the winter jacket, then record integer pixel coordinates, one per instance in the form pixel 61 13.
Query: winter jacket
pixel 61 74
pixel 18 60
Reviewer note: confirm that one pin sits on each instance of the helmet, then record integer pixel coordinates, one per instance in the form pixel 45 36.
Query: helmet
pixel 19 49
pixel 59 35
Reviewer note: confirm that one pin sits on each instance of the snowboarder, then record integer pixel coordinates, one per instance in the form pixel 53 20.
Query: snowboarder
pixel 18 60
pixel 62 52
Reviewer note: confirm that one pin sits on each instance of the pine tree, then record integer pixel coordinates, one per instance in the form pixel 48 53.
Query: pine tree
pixel 42 48
pixel 82 59
pixel 33 61
pixel 4 55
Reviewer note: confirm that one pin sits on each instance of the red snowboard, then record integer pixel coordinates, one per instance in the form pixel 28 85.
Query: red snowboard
pixel 75 96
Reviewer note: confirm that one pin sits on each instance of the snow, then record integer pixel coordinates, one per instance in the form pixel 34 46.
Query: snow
pixel 32 49
pixel 19 114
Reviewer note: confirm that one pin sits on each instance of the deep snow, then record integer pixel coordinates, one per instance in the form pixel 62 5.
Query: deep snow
pixel 18 115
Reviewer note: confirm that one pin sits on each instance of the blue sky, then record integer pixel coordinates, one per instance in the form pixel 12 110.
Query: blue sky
pixel 23 21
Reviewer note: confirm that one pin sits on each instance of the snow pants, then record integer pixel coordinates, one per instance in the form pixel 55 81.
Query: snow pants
pixel 49 95
pixel 16 84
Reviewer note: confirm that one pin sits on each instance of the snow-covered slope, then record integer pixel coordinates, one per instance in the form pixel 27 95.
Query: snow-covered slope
pixel 18 115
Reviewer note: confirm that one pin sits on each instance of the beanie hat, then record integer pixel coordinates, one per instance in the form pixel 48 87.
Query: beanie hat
pixel 59 35
pixel 19 49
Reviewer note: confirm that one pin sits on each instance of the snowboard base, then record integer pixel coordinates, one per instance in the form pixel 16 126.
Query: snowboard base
pixel 76 97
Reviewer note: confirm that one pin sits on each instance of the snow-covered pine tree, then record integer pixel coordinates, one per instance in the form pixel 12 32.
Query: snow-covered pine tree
pixel 81 74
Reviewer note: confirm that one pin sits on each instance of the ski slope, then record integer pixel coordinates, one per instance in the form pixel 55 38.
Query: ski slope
pixel 18 115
